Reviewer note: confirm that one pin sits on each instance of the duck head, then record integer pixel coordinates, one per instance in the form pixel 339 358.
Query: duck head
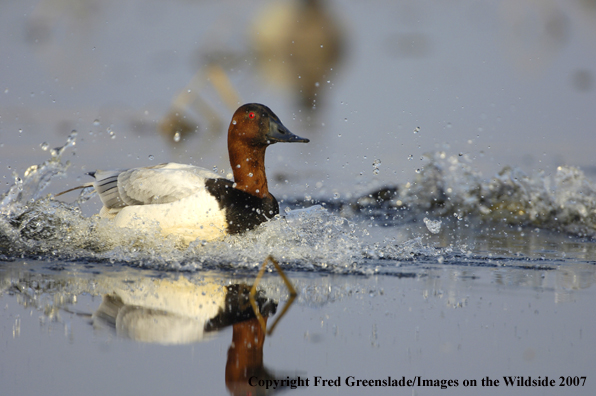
pixel 253 128
pixel 254 124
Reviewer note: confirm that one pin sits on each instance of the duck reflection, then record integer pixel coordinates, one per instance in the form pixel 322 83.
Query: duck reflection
pixel 177 312
pixel 245 359
pixel 171 312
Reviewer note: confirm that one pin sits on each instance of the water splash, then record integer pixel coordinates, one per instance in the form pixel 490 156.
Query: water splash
pixel 433 226
pixel 449 186
pixel 35 179
pixel 314 239
pixel 376 166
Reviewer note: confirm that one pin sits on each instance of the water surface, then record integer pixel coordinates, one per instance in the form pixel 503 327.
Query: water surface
pixel 439 226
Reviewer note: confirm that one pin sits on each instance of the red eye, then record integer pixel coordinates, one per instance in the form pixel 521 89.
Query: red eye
pixel 251 115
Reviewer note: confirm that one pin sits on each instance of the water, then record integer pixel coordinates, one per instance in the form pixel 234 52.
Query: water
pixel 446 269
pixel 439 226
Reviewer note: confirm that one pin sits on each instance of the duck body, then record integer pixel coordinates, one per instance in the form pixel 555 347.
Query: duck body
pixel 192 202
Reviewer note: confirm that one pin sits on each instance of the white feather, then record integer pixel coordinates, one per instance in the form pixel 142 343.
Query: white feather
pixel 171 196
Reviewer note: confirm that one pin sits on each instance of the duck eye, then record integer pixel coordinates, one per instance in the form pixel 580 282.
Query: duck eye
pixel 251 115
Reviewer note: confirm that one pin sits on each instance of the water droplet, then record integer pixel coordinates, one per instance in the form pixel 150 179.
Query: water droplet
pixel 96 122
pixel 31 170
pixel 418 170
pixel 151 157
pixel 234 122
pixel 44 146
pixel 71 140
pixel 250 174
pixel 376 165
pixel 287 209
pixel 238 166
pixel 317 84
pixel 111 132
pixel 417 129
pixel 433 226
pixel 20 131
pixel 410 157
pixel 339 135
pixel 177 137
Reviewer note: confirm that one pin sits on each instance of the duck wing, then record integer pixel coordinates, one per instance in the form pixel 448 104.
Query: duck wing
pixel 158 184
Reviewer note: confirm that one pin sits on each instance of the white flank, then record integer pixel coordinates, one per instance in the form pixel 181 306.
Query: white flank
pixel 170 196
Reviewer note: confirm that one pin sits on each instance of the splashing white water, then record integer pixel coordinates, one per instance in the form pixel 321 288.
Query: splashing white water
pixel 32 225
pixel 35 179
pixel 433 226
pixel 311 239
pixel 449 186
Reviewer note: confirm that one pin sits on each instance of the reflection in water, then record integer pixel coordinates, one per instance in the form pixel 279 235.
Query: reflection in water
pixel 517 315
pixel 170 308
pixel 180 312
pixel 253 291
pixel 299 46
pixel 176 312
pixel 165 311
pixel 245 358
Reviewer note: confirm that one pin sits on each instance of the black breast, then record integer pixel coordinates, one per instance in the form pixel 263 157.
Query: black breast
pixel 243 211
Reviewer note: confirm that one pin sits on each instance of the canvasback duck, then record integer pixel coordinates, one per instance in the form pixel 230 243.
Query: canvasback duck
pixel 195 203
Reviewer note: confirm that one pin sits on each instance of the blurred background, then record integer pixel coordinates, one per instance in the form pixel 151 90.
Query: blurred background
pixel 374 85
